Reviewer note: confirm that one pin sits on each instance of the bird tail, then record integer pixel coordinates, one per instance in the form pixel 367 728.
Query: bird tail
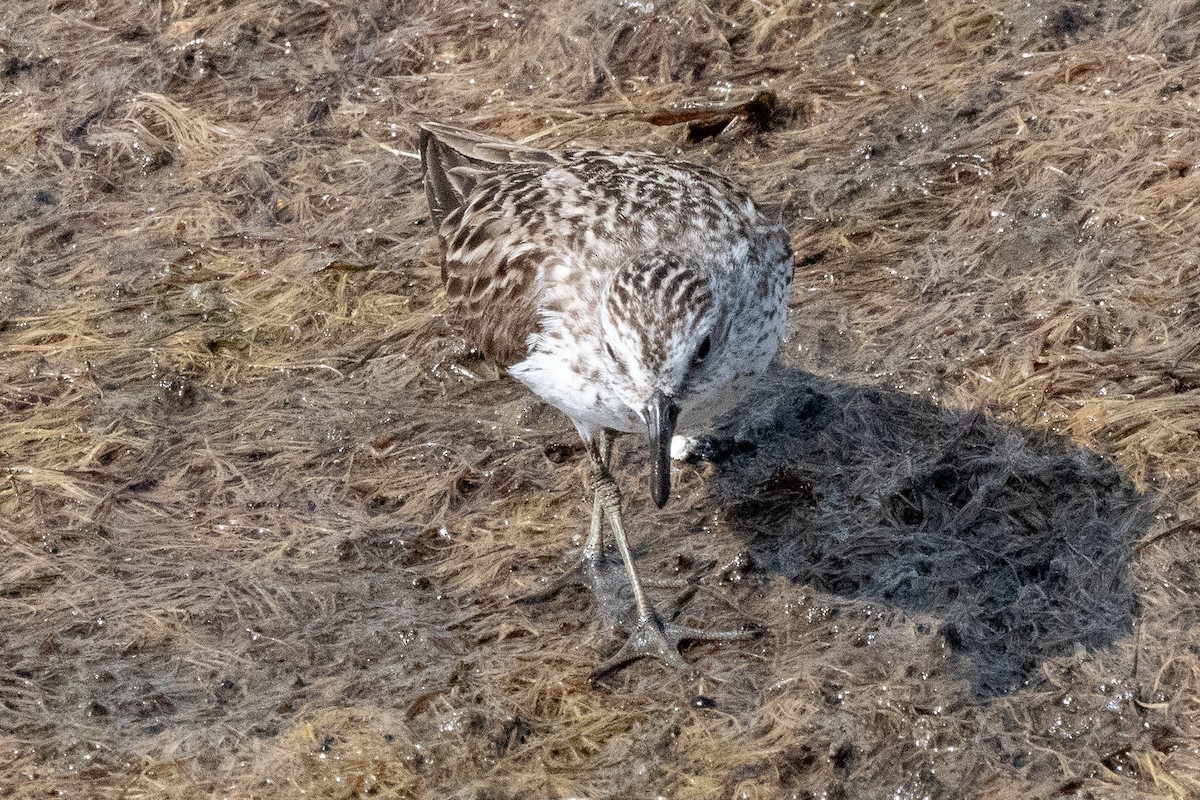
pixel 454 160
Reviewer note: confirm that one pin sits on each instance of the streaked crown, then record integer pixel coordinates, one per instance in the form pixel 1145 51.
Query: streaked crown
pixel 662 328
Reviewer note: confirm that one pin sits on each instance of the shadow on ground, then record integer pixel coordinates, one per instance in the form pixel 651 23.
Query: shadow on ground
pixel 1018 541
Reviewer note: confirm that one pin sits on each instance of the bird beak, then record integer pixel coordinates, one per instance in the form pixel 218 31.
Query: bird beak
pixel 661 415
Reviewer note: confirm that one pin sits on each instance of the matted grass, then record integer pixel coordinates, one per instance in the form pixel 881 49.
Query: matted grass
pixel 264 514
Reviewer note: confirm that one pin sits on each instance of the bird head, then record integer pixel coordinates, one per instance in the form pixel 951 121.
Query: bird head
pixel 663 331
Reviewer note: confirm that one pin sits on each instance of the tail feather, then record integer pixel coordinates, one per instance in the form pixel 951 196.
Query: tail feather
pixel 444 190
pixel 454 160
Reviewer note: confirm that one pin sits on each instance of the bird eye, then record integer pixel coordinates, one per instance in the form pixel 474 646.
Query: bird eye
pixel 702 352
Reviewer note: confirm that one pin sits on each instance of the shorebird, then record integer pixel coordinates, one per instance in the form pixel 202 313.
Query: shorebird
pixel 633 292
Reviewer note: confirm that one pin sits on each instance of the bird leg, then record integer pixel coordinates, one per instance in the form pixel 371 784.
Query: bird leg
pixel 650 635
pixel 588 570
pixel 601 455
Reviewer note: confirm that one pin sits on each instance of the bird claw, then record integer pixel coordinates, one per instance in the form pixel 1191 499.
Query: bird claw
pixel 593 573
pixel 609 586
pixel 687 584
pixel 651 637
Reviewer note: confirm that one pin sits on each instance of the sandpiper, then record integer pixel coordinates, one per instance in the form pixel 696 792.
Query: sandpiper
pixel 633 292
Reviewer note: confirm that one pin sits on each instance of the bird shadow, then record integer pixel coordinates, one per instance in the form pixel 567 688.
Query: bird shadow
pixel 1019 541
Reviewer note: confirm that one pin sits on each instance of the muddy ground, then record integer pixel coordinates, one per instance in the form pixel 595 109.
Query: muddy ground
pixel 264 514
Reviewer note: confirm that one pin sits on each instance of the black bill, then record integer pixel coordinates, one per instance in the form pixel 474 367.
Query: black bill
pixel 661 415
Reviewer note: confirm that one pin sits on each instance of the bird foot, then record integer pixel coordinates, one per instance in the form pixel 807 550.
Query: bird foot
pixel 608 584
pixel 596 573
pixel 651 637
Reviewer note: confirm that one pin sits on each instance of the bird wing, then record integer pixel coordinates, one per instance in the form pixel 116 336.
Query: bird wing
pixel 478 188
pixel 492 274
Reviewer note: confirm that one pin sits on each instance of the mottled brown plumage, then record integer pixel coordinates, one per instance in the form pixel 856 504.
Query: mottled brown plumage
pixel 489 285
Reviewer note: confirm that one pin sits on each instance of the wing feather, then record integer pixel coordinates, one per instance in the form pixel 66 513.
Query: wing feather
pixel 474 185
